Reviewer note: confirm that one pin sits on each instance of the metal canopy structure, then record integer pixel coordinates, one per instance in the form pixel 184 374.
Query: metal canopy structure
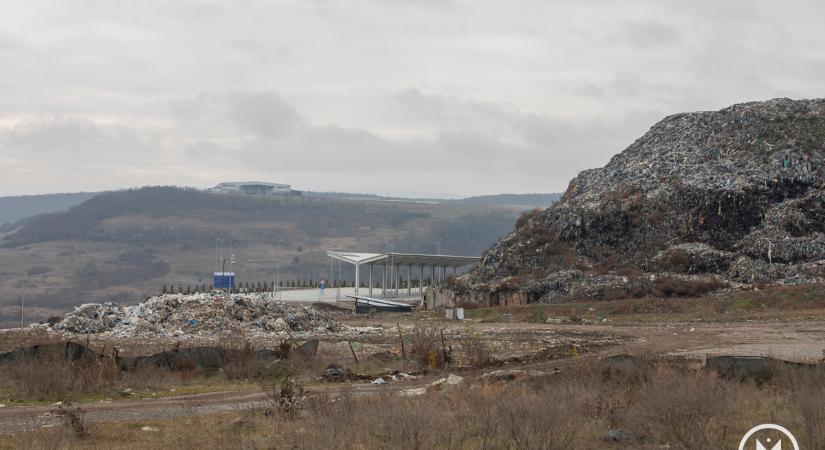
pixel 393 262
pixel 363 305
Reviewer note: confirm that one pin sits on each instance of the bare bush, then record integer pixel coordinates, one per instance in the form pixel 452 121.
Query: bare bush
pixel 525 217
pixel 683 412
pixel 476 349
pixel 676 287
pixel 286 400
pixel 51 375
pixel 809 395
pixel 427 349
pixel 677 260
pixel 74 418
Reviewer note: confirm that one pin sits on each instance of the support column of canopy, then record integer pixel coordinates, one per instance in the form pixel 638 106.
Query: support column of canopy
pixel 421 281
pixel 357 277
pixel 397 279
pixel 370 280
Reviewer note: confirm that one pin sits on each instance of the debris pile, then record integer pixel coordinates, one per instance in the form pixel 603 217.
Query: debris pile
pixel 194 314
pixel 736 194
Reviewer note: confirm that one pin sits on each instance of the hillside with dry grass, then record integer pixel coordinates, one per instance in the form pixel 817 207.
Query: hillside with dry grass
pixel 126 245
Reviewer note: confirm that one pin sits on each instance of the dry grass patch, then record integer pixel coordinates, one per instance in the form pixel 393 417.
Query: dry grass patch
pixel 652 407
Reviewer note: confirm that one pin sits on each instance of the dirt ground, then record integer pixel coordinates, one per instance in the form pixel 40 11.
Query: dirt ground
pixel 514 345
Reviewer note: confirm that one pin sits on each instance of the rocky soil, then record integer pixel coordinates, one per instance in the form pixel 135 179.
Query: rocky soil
pixel 703 200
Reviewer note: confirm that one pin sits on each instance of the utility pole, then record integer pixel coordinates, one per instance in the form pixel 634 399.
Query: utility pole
pixel 232 258
pixel 21 311
pixel 221 254
pixel 223 276
pixel 217 258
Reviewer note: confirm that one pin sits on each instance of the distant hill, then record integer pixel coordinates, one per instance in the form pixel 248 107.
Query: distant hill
pixel 125 245
pixel 517 200
pixel 523 201
pixel 16 208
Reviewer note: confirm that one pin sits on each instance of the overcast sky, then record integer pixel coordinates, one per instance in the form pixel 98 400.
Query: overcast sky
pixel 426 97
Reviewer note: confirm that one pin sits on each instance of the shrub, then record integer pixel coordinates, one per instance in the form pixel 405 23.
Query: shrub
pixel 677 260
pixel 686 412
pixel 73 417
pixel 676 287
pixel 51 375
pixel 427 349
pixel 525 217
pixel 287 400
pixel 476 349
pixel 809 395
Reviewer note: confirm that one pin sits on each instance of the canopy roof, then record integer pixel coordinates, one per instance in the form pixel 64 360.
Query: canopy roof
pixel 403 259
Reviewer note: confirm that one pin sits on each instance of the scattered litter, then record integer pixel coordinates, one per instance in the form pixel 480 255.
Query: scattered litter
pixel 239 423
pixel 451 380
pixel 615 436
pixel 335 374
pixel 379 380
pixel 413 392
pixel 454 379
pixel 502 375
pixel 385 356
pixel 150 428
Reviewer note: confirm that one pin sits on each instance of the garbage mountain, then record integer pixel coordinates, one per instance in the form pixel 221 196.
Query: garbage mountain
pixel 184 315
pixel 702 200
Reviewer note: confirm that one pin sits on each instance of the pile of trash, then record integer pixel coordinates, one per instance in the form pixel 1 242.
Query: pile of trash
pixel 194 314
pixel 736 194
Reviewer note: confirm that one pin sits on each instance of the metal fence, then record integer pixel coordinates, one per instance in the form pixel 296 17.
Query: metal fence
pixel 333 294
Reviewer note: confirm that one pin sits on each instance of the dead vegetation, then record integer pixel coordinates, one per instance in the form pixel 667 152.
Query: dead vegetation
pixel 52 376
pixel 625 404
pixel 476 349
pixel 772 301
pixel 62 370
pixel 428 349
pixel 667 287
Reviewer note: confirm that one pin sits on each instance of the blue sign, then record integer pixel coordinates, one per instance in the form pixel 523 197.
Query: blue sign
pixel 224 280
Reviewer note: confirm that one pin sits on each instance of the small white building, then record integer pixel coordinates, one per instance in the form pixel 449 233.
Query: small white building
pixel 251 188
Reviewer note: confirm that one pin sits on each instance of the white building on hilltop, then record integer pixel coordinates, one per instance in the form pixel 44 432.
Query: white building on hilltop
pixel 251 188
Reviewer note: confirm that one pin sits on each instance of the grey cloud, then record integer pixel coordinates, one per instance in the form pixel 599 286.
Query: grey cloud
pixel 265 114
pixel 473 144
pixel 316 93
pixel 644 35
pixel 75 139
